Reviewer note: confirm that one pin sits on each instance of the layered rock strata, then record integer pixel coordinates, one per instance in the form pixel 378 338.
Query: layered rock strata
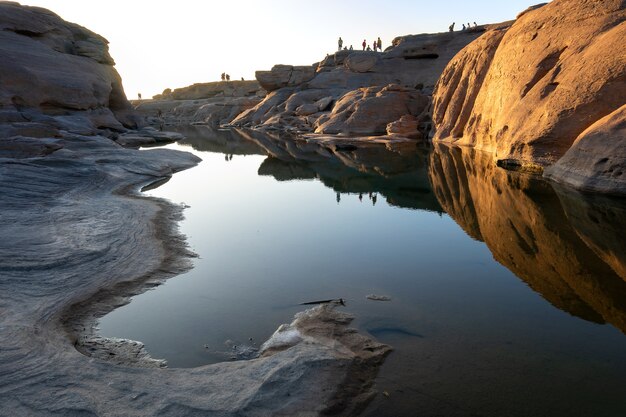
pixel 547 89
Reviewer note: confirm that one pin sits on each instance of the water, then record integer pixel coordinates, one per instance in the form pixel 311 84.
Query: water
pixel 508 294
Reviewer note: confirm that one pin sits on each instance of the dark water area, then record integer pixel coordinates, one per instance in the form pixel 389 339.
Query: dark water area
pixel 508 293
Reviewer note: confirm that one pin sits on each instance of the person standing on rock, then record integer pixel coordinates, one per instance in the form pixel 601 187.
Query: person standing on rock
pixel 223 76
pixel 351 48
pixel 340 43
pixel 451 27
pixel 364 44
pixel 227 77
pixel 379 43
pixel 374 46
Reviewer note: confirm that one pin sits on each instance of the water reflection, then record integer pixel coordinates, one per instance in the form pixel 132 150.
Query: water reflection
pixel 400 172
pixel 566 246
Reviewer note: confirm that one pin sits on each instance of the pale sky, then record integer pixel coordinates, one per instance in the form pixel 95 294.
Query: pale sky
pixel 159 44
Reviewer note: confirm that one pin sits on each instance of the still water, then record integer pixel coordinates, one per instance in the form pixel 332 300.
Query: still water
pixel 508 294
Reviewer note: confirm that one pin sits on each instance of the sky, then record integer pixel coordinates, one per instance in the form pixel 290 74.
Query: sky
pixel 169 44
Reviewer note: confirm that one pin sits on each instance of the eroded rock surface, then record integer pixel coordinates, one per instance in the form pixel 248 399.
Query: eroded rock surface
pixel 53 68
pixel 369 110
pixel 526 93
pixel 212 104
pixel 79 240
pixel 413 62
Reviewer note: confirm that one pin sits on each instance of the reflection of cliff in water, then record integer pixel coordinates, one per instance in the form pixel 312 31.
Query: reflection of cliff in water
pixel 398 172
pixel 566 246
pixel 205 139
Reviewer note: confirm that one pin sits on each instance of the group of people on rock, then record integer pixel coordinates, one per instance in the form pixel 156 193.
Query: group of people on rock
pixel 225 77
pixel 465 27
pixel 377 45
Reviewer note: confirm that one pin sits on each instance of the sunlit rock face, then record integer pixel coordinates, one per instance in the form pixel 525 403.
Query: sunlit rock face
pixel 527 93
pixel 597 159
pixel 52 68
pixel 562 244
pixel 370 110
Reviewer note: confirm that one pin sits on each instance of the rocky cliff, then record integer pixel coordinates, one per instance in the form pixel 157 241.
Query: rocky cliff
pixel 549 89
pixel 358 92
pixel 57 79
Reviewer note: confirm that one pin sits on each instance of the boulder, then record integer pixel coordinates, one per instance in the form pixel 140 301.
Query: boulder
pixel 368 111
pixel 284 76
pixel 597 159
pixel 407 126
pixel 362 61
pixel 527 93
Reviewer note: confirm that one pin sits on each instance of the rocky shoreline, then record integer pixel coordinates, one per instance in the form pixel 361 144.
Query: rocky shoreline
pixel 83 240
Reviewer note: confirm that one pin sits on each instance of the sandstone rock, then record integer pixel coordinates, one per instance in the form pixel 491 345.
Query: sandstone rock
pixel 362 61
pixel 58 68
pixel 597 159
pixel 368 111
pixel 284 76
pixel 198 91
pixel 323 103
pixel 407 126
pixel 401 64
pixel 307 109
pixel 526 95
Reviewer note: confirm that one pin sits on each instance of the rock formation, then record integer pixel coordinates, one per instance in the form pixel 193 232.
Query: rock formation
pixel 551 81
pixel 322 97
pixel 80 240
pixel 212 104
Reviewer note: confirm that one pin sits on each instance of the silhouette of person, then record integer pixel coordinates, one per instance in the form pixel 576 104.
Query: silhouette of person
pixel 227 77
pixel 351 48
pixel 340 44
pixel 139 95
pixel 368 48
pixel 379 43
pixel 463 27
pixel 242 79
pixel 361 197
pixel 374 46
pixel 451 27
pixel 223 76
pixel 364 44
pixel 475 25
